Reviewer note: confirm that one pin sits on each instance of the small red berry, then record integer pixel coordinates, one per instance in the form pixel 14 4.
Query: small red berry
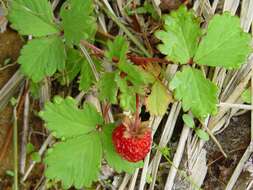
pixel 132 144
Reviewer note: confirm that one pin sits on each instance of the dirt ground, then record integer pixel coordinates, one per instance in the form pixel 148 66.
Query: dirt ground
pixel 234 140
pixel 10 44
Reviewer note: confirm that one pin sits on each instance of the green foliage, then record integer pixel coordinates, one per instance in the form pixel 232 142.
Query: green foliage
pixel 36 157
pixel 73 64
pixel 180 37
pixel 86 76
pixel 31 17
pixel 158 100
pixel 64 119
pixel 246 96
pixel 108 87
pixel 136 75
pixel 83 138
pixel 188 120
pixel 202 134
pixel 42 57
pixel 29 148
pixel 127 80
pixel 117 49
pixel 196 92
pixel 225 44
pixel 147 8
pixel 78 20
pixel 76 159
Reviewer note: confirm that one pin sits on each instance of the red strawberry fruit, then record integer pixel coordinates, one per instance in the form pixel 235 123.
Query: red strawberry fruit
pixel 132 142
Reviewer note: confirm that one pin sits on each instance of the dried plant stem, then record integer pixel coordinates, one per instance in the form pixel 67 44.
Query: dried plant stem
pixel 15 140
pixel 15 147
pixel 214 139
pixel 41 151
pixel 239 106
pixel 25 134
pixel 92 65
pixel 124 29
pixel 177 158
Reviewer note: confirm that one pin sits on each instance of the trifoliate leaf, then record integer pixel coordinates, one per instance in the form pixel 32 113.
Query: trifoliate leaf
pixel 246 96
pixel 202 134
pixel 73 66
pixel 31 17
pixel 108 87
pixel 135 74
pixel 65 119
pixel 180 36
pixel 86 77
pixel 78 21
pixel 76 161
pixel 42 57
pixel 188 120
pixel 196 92
pixel 158 100
pixel 225 43
pixel 117 49
pixel 113 158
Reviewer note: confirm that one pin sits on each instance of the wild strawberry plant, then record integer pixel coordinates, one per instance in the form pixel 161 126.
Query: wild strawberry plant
pixel 84 136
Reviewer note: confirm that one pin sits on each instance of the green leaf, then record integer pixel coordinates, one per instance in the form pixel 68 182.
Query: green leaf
pixel 29 148
pixel 64 118
pixel 196 92
pixel 188 120
pixel 202 134
pixel 112 157
pixel 128 93
pixel 34 89
pixel 36 157
pixel 117 49
pixel 32 17
pixel 180 35
pixel 158 100
pixel 75 161
pixel 73 66
pixel 135 74
pixel 108 87
pixel 78 20
pixel 225 44
pixel 128 100
pixel 246 96
pixel 42 57
pixel 86 77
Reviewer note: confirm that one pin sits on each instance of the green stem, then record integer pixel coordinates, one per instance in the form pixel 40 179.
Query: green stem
pixel 127 32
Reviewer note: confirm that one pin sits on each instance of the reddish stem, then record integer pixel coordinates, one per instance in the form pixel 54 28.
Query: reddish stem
pixel 138 60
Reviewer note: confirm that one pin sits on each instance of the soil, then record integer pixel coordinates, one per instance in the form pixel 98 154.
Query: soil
pixel 10 44
pixel 234 140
